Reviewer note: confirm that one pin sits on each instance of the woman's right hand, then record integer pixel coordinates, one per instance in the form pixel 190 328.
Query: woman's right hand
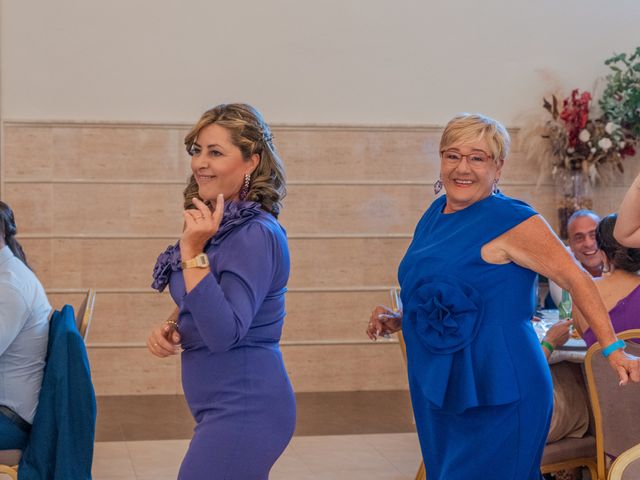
pixel 559 333
pixel 383 321
pixel 164 341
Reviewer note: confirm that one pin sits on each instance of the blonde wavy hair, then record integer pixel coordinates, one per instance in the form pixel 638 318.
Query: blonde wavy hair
pixel 250 133
pixel 468 127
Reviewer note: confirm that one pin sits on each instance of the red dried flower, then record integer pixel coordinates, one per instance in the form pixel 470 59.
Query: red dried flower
pixel 575 114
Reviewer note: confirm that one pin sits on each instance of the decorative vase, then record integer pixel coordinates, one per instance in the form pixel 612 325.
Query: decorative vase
pixel 573 193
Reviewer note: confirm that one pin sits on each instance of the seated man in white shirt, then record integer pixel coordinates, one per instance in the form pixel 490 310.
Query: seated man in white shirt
pixel 24 331
pixel 581 228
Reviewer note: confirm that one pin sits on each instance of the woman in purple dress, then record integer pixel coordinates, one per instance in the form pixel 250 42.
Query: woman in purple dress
pixel 619 285
pixel 228 275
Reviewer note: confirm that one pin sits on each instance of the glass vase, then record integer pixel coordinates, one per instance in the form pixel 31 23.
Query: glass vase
pixel 573 193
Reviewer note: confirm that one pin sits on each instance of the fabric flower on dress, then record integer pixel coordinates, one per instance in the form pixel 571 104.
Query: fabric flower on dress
pixel 445 313
pixel 168 261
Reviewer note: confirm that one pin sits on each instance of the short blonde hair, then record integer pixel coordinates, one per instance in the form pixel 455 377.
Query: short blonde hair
pixel 251 134
pixel 469 127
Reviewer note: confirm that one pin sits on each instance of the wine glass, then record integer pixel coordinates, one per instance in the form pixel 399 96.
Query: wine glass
pixel 396 306
pixel 396 301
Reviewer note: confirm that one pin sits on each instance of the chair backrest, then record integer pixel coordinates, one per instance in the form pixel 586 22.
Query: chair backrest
pixel 85 313
pixel 614 407
pixel 8 471
pixel 626 466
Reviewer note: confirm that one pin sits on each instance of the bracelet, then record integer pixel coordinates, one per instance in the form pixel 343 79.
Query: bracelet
pixel 617 345
pixel 547 345
pixel 173 323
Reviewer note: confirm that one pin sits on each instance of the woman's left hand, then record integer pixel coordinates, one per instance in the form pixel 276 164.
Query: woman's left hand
pixel 627 366
pixel 200 225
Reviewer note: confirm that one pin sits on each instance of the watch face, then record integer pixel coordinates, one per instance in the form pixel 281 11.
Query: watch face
pixel 202 260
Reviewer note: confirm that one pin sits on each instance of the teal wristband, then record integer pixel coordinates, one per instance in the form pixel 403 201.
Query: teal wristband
pixel 617 345
pixel 546 344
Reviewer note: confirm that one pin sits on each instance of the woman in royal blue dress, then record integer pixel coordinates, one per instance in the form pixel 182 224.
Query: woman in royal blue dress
pixel 228 276
pixel 480 385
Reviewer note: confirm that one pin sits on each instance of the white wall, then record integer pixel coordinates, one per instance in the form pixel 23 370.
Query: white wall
pixel 323 61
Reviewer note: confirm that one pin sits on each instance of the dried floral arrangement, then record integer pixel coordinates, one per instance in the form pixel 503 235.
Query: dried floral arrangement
pixel 579 138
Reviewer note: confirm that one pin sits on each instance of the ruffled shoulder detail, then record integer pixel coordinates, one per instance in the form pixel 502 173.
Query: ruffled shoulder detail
pixel 235 215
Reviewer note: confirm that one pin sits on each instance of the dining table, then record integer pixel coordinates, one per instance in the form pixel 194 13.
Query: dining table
pixel 574 350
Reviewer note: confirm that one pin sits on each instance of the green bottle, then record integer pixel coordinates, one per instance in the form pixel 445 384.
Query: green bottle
pixel 565 307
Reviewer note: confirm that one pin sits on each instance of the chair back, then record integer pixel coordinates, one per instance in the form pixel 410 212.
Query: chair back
pixel 626 466
pixel 85 313
pixel 63 431
pixel 11 472
pixel 614 407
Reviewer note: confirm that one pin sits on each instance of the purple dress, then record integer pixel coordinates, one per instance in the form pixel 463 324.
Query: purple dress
pixel 233 375
pixel 624 316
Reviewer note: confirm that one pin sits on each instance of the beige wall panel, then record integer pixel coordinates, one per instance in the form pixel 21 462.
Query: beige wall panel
pixel 39 255
pixel 96 209
pixel 128 318
pixel 135 153
pixel 28 151
pixel 98 153
pixel 349 367
pixel 330 315
pixel 32 205
pixel 358 154
pixel 77 263
pixel 132 371
pixel 608 201
pixel 368 209
pixel 345 262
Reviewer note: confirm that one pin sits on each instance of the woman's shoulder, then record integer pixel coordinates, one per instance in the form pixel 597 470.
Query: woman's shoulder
pixel 257 228
pixel 511 210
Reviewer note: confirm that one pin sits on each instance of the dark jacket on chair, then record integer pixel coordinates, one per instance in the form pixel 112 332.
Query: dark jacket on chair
pixel 61 442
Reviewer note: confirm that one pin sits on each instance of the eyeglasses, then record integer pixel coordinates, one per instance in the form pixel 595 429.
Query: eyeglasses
pixel 477 159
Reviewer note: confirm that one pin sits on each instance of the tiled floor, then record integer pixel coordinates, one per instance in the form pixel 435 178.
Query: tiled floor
pixel 394 456
pixel 339 435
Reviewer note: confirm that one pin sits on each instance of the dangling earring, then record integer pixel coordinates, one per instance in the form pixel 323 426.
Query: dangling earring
pixel 245 187
pixel 606 267
pixel 437 186
pixel 494 189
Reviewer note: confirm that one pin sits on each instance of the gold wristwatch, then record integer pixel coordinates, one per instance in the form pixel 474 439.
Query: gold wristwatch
pixel 199 261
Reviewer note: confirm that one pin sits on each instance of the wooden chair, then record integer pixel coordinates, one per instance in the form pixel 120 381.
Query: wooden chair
pixel 569 453
pixel 626 466
pixel 614 407
pixel 421 474
pixel 85 314
pixel 9 459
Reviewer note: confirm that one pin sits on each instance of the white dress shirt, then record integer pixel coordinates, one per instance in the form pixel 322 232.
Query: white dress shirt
pixel 24 331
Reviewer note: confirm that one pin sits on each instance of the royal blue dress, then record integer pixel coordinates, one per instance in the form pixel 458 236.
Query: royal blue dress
pixel 480 386
pixel 230 324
